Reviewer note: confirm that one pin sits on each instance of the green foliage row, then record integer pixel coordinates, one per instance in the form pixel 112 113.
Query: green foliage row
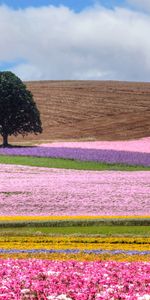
pixel 92 230
pixel 67 164
pixel 79 230
pixel 75 223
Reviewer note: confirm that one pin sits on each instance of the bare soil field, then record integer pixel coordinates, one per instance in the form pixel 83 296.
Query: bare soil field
pixel 91 110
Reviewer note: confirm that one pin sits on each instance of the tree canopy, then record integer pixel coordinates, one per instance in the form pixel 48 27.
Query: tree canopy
pixel 18 111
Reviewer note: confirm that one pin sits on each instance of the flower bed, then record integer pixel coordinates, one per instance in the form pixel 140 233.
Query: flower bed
pixel 71 243
pixel 72 280
pixel 80 256
pixel 42 191
pixel 76 247
pixel 6 218
pixel 30 194
pixel 105 156
pixel 140 145
pixel 127 152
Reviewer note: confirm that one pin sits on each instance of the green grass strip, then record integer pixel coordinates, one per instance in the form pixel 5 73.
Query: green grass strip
pixel 76 223
pixel 67 164
pixel 79 230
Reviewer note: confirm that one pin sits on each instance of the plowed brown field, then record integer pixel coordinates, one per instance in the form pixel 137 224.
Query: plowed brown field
pixel 96 110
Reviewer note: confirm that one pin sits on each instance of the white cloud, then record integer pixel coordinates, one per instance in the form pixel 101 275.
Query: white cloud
pixel 142 4
pixel 57 43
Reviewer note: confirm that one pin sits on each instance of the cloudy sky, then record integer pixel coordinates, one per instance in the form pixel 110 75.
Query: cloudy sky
pixel 76 39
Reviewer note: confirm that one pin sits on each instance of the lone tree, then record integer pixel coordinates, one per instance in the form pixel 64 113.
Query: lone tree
pixel 18 111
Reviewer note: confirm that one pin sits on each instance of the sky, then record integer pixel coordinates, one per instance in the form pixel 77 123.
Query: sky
pixel 75 40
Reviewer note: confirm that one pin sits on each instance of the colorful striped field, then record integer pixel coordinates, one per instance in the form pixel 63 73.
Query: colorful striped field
pixel 49 246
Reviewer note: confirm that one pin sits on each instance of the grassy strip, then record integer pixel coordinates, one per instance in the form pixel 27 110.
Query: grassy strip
pixel 79 230
pixel 67 163
pixel 74 223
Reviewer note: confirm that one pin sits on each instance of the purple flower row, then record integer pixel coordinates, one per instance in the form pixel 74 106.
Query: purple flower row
pixel 98 155
pixel 73 251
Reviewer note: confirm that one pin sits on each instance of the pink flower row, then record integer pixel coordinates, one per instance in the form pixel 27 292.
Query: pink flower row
pixel 140 145
pixel 41 191
pixel 72 280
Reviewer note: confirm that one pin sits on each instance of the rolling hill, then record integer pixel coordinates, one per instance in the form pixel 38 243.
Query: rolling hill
pixel 91 110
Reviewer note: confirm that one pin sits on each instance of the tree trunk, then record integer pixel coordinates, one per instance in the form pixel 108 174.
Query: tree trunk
pixel 5 140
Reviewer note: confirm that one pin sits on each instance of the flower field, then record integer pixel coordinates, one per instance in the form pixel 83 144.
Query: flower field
pixel 136 152
pixel 141 145
pixel 36 279
pixel 71 192
pixel 108 156
pixel 70 268
pixel 89 244
pixel 39 262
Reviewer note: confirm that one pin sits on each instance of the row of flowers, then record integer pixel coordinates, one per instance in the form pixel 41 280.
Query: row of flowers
pixel 139 145
pixel 41 191
pixel 80 151
pixel 73 280
pixel 98 155
pixel 71 243
pixel 8 218
pixel 77 251
pixel 80 256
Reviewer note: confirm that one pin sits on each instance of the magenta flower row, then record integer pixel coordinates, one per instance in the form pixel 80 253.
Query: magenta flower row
pixel 72 280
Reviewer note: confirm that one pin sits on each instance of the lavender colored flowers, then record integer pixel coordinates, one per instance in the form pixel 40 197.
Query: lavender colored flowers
pixel 103 152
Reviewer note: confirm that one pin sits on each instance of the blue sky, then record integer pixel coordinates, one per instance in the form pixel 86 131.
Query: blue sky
pixel 56 40
pixel 76 5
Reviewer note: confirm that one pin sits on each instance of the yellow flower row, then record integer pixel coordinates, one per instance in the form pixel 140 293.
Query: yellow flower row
pixel 57 218
pixel 72 242
pixel 84 239
pixel 78 256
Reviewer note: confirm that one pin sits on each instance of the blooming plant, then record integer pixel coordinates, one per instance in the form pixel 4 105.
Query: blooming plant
pixel 96 244
pixel 63 280
pixel 69 268
pixel 41 191
pixel 129 152
pixel 140 145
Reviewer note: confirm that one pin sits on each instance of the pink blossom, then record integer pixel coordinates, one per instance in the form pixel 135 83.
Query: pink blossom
pixel 41 191
pixel 139 145
pixel 72 280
